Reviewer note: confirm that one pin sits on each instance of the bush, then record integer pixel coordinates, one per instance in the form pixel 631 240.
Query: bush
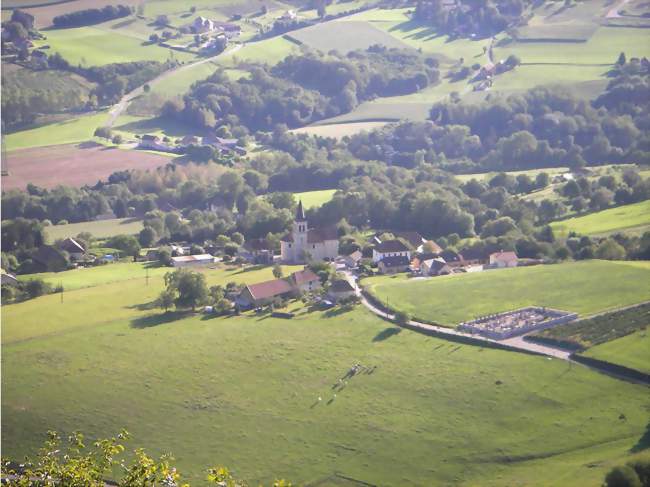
pixel 402 318
pixel 103 132
pixel 37 287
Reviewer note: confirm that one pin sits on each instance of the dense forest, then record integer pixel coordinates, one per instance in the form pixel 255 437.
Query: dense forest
pixel 303 88
pixel 544 127
pixel 91 16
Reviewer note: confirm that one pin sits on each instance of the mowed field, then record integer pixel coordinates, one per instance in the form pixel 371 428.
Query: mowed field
pixel 631 351
pixel 628 218
pixel 243 391
pixel 73 165
pixel 576 286
pixel 98 229
pixel 339 130
pixel 314 199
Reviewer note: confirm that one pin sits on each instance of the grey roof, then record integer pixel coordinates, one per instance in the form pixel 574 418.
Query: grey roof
pixel 391 246
pixel 300 212
pixel 395 261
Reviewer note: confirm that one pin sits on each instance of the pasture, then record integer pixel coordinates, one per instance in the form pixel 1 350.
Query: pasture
pixel 87 46
pixel 243 392
pixel 66 132
pixel 576 286
pixel 339 130
pixel 98 229
pixel 628 218
pixel 314 199
pixel 631 351
pixel 532 173
pixel 270 51
pixel 343 36
pixel 73 164
pixel 48 9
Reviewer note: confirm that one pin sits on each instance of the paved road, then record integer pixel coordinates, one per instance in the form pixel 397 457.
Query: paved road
pixel 614 12
pixel 122 105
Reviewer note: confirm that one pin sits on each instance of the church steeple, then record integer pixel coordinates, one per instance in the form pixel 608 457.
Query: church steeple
pixel 300 213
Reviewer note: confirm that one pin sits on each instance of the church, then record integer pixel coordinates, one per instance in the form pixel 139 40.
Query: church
pixel 304 243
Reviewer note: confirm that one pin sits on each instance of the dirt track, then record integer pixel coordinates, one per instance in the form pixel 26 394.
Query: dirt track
pixel 73 164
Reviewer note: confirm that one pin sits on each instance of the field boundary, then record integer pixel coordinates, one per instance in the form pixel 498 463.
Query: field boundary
pixel 36 5
pixel 612 369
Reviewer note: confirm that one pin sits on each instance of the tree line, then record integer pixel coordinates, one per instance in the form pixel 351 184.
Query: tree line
pixel 91 16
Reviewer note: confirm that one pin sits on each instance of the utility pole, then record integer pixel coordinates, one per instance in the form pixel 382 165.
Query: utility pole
pixel 147 276
pixel 61 287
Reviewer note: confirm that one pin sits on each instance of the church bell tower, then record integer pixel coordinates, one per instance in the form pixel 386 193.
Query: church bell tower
pixel 300 230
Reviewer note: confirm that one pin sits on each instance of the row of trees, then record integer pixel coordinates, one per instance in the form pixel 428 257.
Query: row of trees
pixel 91 16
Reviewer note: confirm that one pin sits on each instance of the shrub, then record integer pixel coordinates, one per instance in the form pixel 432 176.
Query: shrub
pixel 402 318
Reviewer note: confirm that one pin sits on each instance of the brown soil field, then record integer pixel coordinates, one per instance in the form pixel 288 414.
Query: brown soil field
pixel 43 15
pixel 72 165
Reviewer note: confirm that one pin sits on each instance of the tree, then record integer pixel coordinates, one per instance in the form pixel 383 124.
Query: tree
pixel 402 318
pixel 165 255
pixel 623 476
pixel 621 59
pixel 166 299
pixel 37 287
pixel 126 243
pixel 103 132
pixel 154 38
pixel 277 271
pixel 610 249
pixel 147 237
pixel 189 287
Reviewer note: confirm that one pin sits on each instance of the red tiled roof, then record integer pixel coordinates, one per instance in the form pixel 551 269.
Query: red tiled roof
pixel 269 289
pixel 504 256
pixel 303 276
pixel 391 246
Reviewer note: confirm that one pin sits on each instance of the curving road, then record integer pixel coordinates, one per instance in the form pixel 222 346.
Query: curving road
pixel 122 105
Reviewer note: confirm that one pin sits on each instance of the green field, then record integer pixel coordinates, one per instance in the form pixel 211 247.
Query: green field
pixel 576 287
pixel 314 199
pixel 270 51
pixel 98 229
pixel 532 173
pixel 66 132
pixel 631 351
pixel 339 130
pixel 635 218
pixel 87 46
pixel 242 391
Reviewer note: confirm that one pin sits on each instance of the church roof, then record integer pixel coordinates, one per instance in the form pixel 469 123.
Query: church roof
pixel 300 213
pixel 315 235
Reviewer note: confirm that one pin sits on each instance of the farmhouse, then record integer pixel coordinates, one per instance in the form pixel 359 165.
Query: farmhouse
pixel 262 293
pixel 265 292
pixel 202 24
pixel 435 267
pixel 503 259
pixel 74 248
pixel 153 142
pixel 390 248
pixel 452 258
pixel 8 279
pixel 304 243
pixel 393 264
pixel 340 289
pixel 417 241
pixel 192 260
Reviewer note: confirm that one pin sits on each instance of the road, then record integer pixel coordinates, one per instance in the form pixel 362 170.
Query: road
pixel 516 343
pixel 123 104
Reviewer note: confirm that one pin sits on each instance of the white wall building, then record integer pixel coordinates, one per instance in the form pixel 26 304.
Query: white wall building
pixel 304 243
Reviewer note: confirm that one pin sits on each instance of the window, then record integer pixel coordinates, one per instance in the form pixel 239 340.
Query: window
pixel 289 245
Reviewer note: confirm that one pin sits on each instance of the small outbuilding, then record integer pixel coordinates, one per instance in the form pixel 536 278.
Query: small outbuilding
pixel 193 260
pixel 503 259
pixel 393 264
pixel 340 289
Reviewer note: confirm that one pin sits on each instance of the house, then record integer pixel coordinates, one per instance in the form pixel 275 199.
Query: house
pixel 435 267
pixel 190 140
pixel 257 251
pixel 229 29
pixel 202 24
pixel 352 260
pixel 452 258
pixel 305 281
pixel 49 259
pixel 417 241
pixel 340 289
pixel 393 264
pixel 476 256
pixel 390 248
pixel 73 248
pixel 192 260
pixel 503 259
pixel 8 279
pixel 263 293
pixel 153 142
pixel 304 243
pixel 289 15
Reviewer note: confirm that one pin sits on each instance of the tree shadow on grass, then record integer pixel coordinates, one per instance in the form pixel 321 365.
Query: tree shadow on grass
pixel 250 269
pixel 644 441
pixel 339 310
pixel 159 319
pixel 386 333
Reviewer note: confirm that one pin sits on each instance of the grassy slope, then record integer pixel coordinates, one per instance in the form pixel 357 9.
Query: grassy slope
pixel 339 130
pixel 241 392
pixel 626 217
pixel 578 287
pixel 630 351
pixel 98 229
pixel 87 46
pixel 66 132
pixel 314 199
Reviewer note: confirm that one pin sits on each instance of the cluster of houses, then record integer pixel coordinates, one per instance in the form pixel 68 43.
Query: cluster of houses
pixel 203 25
pixel 223 145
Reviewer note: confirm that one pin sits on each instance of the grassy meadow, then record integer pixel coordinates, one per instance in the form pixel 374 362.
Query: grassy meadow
pixel 314 199
pixel 243 391
pixel 576 287
pixel 339 130
pixel 634 217
pixel 631 351
pixel 87 46
pixel 98 229
pixel 67 132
